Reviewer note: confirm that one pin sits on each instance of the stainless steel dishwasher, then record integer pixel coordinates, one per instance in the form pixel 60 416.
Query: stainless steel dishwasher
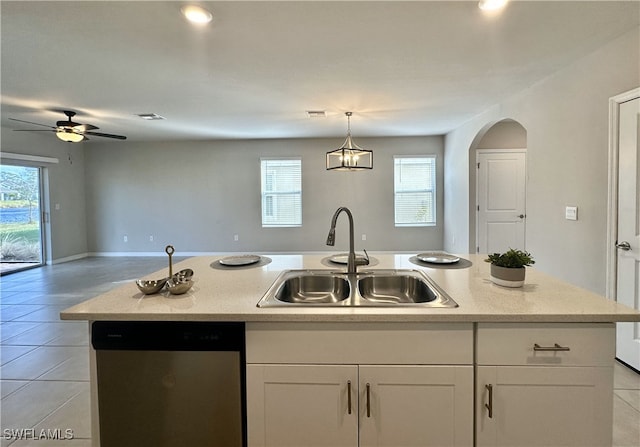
pixel 170 383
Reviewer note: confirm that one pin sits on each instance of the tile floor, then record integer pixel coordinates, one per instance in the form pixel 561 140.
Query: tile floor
pixel 44 362
pixel 44 367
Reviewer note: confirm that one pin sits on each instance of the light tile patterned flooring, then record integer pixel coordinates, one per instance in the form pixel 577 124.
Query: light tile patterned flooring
pixel 44 362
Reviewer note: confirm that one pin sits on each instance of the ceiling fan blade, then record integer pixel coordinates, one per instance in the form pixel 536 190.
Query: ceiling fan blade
pixel 106 135
pixel 29 122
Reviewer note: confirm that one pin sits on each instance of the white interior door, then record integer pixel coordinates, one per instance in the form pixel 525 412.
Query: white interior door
pixel 501 193
pixel 628 243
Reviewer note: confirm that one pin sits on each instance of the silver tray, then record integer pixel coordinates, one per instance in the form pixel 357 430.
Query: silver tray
pixel 438 257
pixel 239 260
pixel 343 258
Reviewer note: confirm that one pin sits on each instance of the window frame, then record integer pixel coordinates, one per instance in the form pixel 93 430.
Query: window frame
pixel 273 203
pixel 430 189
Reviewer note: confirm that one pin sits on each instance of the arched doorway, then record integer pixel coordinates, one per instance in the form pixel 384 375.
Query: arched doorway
pixel 497 187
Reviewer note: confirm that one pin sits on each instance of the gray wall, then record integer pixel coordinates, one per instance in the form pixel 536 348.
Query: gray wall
pixel 197 195
pixel 68 231
pixel 566 119
pixel 506 134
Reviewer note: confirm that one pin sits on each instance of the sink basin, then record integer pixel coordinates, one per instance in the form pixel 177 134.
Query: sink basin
pixel 373 288
pixel 313 289
pixel 395 289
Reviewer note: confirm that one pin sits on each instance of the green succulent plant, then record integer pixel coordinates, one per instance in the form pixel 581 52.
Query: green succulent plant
pixel 512 258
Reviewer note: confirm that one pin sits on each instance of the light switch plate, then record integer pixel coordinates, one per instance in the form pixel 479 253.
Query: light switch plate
pixel 571 213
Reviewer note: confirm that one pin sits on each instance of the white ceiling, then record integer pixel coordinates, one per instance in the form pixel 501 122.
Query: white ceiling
pixel 403 68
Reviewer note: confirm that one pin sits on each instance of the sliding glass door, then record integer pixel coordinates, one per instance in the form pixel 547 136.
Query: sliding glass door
pixel 21 232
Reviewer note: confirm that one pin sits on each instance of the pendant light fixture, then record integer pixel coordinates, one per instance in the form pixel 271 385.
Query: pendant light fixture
pixel 349 157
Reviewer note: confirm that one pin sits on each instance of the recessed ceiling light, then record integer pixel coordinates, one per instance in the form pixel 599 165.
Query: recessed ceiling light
pixel 492 5
pixel 150 116
pixel 196 14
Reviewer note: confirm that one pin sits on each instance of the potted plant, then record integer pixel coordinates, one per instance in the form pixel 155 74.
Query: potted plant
pixel 508 268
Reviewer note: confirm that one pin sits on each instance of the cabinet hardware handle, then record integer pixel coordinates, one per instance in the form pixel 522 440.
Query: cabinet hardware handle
pixel 489 406
pixel 368 400
pixel 349 396
pixel 555 347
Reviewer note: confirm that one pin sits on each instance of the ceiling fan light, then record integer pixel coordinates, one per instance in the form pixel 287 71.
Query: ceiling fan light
pixel 196 14
pixel 70 137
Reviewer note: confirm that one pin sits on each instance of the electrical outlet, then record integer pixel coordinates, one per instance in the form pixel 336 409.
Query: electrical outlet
pixel 235 237
pixel 150 238
pixel 364 237
pixel 126 239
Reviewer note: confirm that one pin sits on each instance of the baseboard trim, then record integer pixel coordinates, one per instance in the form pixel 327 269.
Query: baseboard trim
pixel 69 258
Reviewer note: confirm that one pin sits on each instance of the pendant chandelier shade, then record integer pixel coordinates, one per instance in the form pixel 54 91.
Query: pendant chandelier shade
pixel 350 156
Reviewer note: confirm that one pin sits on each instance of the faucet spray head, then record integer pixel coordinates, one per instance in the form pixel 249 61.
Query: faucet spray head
pixel 331 238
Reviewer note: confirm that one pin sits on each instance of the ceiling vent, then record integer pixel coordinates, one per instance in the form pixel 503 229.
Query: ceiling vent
pixel 316 114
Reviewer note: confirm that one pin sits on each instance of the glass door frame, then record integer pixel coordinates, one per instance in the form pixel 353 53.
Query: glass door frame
pixel 42 217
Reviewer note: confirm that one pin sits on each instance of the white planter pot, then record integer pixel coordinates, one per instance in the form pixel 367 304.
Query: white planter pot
pixel 507 277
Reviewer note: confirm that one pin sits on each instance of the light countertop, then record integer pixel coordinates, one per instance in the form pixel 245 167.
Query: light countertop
pixel 232 295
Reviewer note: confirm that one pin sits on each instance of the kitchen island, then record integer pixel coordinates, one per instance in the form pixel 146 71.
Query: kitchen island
pixel 526 366
pixel 232 295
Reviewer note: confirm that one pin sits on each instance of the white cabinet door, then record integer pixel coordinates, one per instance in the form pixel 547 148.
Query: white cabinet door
pixel 326 405
pixel 403 406
pixel 302 405
pixel 544 406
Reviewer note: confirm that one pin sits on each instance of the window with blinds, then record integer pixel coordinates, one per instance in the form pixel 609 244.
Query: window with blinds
pixel 281 192
pixel 415 191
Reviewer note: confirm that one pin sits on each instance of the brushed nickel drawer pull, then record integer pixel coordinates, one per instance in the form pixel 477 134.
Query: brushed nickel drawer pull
pixel 368 400
pixel 555 347
pixel 349 396
pixel 489 406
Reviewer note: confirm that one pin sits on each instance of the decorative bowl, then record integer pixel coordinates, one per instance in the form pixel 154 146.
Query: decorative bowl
pixel 184 273
pixel 151 286
pixel 178 285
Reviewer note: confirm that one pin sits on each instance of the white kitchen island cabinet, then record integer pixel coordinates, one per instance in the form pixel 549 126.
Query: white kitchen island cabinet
pixel 404 406
pixel 544 385
pixel 302 405
pixel 327 405
pixel 311 403
pixel 420 362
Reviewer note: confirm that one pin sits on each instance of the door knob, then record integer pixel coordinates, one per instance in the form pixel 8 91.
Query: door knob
pixel 624 245
pixel 521 216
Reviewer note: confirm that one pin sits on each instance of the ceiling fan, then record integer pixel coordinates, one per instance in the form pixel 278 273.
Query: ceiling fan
pixel 70 131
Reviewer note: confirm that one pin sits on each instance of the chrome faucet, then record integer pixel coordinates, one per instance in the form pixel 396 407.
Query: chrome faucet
pixel 331 239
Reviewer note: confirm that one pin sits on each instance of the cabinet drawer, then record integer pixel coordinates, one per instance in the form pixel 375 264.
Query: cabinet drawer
pixel 549 344
pixel 353 343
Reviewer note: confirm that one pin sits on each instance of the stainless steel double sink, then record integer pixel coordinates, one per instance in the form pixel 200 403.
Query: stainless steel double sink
pixel 374 288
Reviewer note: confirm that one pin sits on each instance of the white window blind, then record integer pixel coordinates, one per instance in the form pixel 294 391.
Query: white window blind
pixel 415 191
pixel 281 192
